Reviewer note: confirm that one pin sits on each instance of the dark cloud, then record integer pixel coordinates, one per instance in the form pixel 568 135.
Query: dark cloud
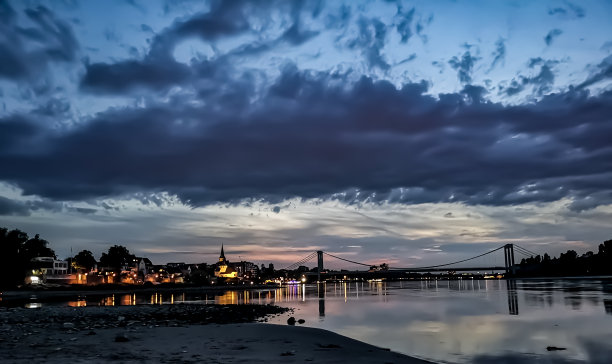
pixel 153 72
pixel 557 11
pixel 145 28
pixel 411 57
pixel 158 70
pixel 568 11
pixel 603 72
pixel 26 51
pixel 45 204
pixel 54 107
pixel 316 135
pixel 25 208
pixel 371 41
pixel 550 37
pixel 404 24
pixel 464 66
pixel 84 210
pixel 499 55
pixel 541 82
pixel 10 207
pixel 296 36
pixel 340 19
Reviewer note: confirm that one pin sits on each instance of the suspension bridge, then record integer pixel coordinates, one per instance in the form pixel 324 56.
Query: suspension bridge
pixel 486 261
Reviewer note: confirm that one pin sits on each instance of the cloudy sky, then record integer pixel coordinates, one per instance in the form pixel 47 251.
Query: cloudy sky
pixel 407 132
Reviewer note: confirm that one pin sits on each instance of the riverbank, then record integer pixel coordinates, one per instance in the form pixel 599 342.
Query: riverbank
pixel 178 333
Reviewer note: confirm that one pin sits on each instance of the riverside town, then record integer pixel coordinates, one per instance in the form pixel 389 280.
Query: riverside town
pixel 34 263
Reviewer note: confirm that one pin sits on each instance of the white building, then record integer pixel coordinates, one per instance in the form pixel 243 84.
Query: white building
pixel 46 268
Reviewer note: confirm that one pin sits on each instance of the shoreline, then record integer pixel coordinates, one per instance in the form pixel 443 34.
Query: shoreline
pixel 181 333
pixel 53 293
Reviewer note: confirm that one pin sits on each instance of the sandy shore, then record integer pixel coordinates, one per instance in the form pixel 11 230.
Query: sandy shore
pixel 164 334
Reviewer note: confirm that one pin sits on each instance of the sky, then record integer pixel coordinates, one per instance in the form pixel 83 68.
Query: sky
pixel 406 132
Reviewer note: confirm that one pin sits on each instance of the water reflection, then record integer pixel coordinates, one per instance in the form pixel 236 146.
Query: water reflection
pixel 108 301
pixel 608 306
pixel 321 295
pixel 512 297
pixel 533 294
pixel 229 298
pixel 81 302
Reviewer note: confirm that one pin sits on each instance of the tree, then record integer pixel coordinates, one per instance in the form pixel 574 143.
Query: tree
pixel 568 256
pixel 36 247
pixel 605 249
pixel 117 257
pixel 12 265
pixel 85 259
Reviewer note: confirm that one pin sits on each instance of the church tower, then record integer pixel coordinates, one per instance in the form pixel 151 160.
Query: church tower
pixel 222 256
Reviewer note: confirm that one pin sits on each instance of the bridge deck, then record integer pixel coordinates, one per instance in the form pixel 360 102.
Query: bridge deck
pixel 414 270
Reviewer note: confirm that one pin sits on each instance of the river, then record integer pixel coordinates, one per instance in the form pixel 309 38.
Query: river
pixel 458 321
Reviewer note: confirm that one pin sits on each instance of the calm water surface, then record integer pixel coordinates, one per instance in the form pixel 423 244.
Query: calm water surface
pixel 468 321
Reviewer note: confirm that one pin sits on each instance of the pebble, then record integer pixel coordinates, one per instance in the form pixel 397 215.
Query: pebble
pixel 121 338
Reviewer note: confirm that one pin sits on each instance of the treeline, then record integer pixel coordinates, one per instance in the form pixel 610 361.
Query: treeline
pixel 17 251
pixel 569 264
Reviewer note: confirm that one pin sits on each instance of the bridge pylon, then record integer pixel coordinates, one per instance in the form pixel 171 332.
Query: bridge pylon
pixel 319 265
pixel 509 258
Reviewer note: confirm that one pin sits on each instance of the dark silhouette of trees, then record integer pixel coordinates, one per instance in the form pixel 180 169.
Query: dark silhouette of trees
pixel 37 247
pixel 569 263
pixel 17 251
pixel 85 260
pixel 117 257
pixel 12 266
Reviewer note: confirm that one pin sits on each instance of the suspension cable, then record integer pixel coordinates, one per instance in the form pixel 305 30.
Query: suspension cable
pixel 524 249
pixel 301 261
pixel 457 262
pixel 523 253
pixel 347 260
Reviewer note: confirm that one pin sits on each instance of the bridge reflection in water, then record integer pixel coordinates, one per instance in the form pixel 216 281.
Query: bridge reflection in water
pixel 513 308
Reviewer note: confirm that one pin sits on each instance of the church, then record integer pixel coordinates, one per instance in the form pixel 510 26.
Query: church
pixel 223 269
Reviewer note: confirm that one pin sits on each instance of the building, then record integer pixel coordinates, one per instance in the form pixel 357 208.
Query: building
pixel 49 266
pixel 143 265
pixel 47 269
pixel 224 269
pixel 247 270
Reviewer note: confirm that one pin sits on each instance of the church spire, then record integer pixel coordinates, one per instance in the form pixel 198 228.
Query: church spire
pixel 222 256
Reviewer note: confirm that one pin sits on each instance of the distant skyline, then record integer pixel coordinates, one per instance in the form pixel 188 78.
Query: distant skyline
pixel 406 132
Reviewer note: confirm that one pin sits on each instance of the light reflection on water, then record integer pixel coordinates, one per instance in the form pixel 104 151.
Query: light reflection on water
pixel 482 321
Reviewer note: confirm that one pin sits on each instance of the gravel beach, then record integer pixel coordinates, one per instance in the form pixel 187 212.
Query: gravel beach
pixel 173 333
